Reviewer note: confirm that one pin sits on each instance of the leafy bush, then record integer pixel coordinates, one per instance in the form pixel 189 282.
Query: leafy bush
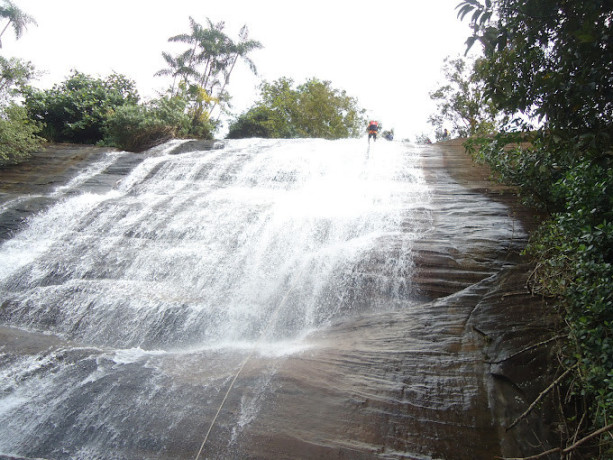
pixel 575 253
pixel 77 109
pixel 313 109
pixel 526 161
pixel 422 139
pixel 138 127
pixel 197 104
pixel 18 137
pixel 18 134
pixel 258 121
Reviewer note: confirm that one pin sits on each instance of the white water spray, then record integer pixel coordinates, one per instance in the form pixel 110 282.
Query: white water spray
pixel 199 248
pixel 152 296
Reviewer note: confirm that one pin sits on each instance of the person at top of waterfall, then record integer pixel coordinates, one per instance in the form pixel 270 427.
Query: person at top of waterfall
pixel 373 128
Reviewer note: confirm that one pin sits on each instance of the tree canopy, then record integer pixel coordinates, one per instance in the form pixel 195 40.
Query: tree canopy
pixel 311 109
pixel 18 133
pixel 201 72
pixel 85 109
pixel 548 69
pixel 460 103
pixel 76 110
pixel 547 59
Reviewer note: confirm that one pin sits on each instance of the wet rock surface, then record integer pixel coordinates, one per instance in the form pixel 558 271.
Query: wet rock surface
pixel 440 378
pixel 25 188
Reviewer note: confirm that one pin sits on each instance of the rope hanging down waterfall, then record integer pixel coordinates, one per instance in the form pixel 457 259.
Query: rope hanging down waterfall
pixel 240 369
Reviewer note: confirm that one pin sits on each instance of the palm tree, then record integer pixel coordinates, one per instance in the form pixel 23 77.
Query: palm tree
pixel 17 18
pixel 239 50
pixel 213 47
pixel 213 54
pixel 177 67
pixel 192 39
pixel 206 46
pixel 205 67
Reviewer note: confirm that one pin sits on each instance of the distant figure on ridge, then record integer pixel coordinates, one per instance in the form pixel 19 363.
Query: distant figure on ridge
pixel 373 128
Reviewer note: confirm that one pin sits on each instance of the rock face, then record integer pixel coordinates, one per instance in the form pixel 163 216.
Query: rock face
pixel 442 378
pixel 25 188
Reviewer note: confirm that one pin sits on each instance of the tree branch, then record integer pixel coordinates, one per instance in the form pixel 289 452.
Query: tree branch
pixel 567 450
pixel 531 347
pixel 540 396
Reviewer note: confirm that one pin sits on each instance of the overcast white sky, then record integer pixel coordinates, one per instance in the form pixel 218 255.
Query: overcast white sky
pixel 388 53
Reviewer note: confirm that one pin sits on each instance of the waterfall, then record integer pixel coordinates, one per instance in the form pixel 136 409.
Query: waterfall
pixel 254 245
pixel 201 248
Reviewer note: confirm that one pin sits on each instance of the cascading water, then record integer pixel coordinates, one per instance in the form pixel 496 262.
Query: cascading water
pixel 130 310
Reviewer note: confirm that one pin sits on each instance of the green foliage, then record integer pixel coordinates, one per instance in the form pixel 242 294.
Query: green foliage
pixel 575 253
pixel 552 61
pixel 548 59
pixel 18 134
pixel 198 103
pixel 77 109
pixel 202 72
pixel 138 127
pixel 459 102
pixel 15 74
pixel 524 160
pixel 259 121
pixel 18 137
pixel 312 109
pixel 91 110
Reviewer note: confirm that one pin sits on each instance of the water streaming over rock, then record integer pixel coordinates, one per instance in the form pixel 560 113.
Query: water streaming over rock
pixel 127 310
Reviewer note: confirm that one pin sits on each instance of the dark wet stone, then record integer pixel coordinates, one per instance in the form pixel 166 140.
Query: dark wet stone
pixel 25 189
pixel 53 166
pixel 14 217
pixel 196 145
pixel 105 181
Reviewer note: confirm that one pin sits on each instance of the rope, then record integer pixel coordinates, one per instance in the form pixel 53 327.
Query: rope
pixel 240 369
pixel 223 401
